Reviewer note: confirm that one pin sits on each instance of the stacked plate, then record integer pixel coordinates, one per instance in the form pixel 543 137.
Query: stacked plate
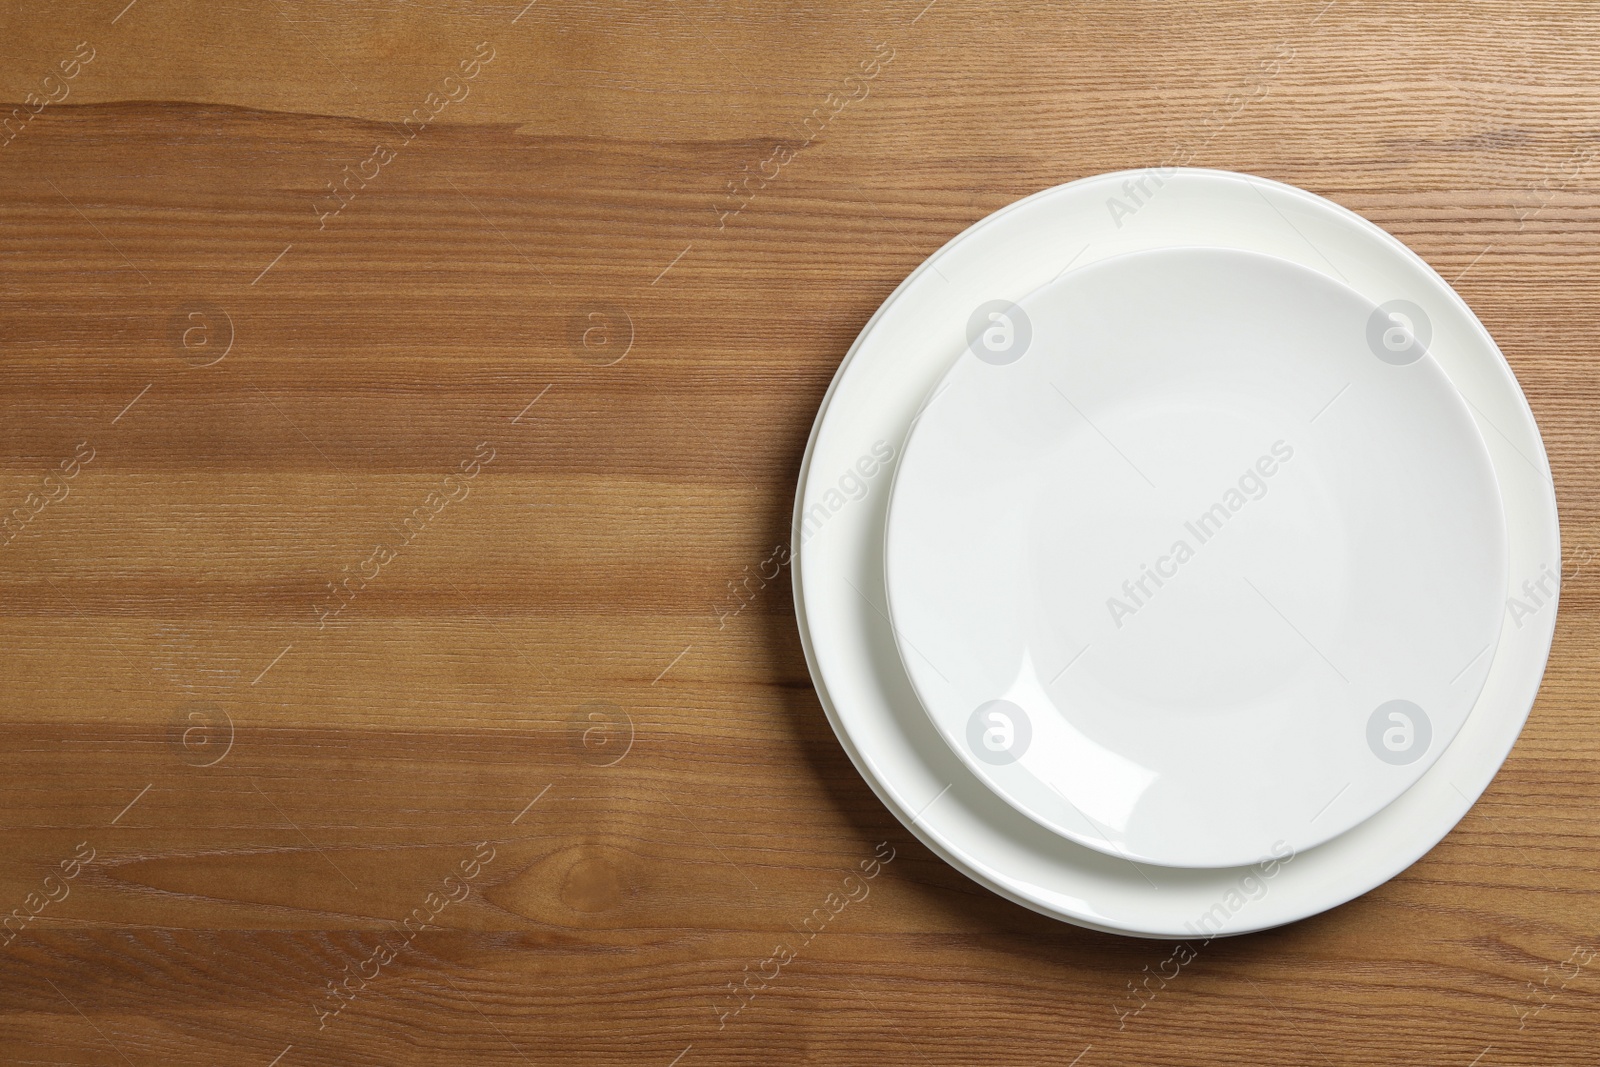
pixel 1178 555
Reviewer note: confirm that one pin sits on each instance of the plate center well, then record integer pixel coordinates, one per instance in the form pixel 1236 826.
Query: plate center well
pixel 1170 538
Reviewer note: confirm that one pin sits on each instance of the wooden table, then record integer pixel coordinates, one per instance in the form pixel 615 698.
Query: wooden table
pixel 394 397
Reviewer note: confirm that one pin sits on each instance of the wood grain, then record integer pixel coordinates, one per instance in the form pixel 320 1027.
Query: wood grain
pixel 269 789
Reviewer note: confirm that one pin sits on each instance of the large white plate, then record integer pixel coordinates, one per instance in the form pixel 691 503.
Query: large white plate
pixel 1186 562
pixel 839 522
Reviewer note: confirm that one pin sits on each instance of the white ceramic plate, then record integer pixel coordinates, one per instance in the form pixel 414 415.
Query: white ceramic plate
pixel 1186 562
pixel 839 520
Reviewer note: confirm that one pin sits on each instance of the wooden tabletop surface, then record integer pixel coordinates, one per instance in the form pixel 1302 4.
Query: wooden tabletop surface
pixel 397 399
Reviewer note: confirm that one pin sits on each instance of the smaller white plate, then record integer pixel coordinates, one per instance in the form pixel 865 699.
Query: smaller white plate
pixel 1195 555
